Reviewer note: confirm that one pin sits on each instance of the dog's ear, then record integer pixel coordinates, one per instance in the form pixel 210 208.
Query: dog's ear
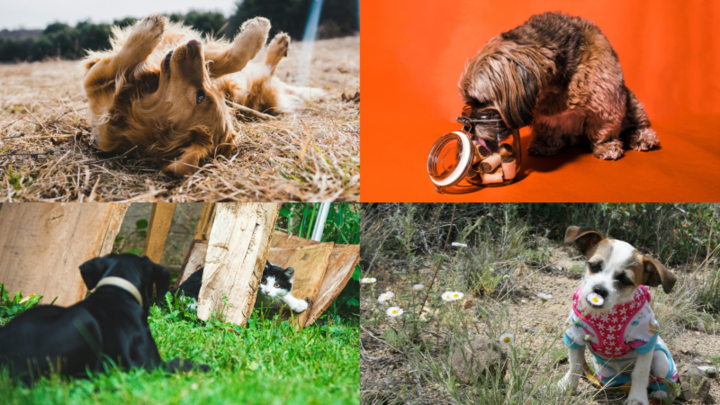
pixel 161 278
pixel 516 91
pixel 654 274
pixel 583 238
pixel 93 270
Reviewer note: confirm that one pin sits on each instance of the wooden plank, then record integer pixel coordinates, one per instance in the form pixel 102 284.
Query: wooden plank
pixel 343 260
pixel 42 246
pixel 202 231
pixel 160 221
pixel 194 260
pixel 282 239
pixel 310 264
pixel 237 248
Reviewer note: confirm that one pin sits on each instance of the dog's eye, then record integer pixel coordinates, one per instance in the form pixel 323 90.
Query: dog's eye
pixel 200 96
pixel 595 267
pixel 277 285
pixel 624 280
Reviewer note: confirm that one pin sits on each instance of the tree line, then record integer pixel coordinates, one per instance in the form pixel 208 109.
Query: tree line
pixel 59 40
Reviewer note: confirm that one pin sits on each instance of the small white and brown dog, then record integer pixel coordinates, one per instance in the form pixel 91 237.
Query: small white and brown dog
pixel 611 315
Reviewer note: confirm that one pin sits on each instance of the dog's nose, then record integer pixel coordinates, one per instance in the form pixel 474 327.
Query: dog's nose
pixel 601 291
pixel 193 42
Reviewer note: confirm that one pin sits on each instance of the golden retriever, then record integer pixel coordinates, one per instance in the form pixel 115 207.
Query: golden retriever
pixel 162 89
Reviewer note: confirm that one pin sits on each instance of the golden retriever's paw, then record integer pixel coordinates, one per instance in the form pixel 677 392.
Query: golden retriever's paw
pixel 252 36
pixel 148 32
pixel 278 48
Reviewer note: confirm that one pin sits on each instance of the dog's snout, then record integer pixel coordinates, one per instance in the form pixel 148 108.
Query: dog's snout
pixel 601 291
pixel 193 42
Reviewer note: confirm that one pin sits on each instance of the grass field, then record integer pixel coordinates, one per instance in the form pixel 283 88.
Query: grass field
pixel 312 155
pixel 268 362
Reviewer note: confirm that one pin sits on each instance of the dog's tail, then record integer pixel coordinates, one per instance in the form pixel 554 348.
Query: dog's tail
pixel 636 129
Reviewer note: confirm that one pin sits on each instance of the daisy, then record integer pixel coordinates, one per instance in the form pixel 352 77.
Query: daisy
pixel 394 312
pixel 544 297
pixel 457 296
pixel 459 244
pixel 418 287
pixel 368 280
pixel 447 296
pixel 506 339
pixel 386 296
pixel 595 299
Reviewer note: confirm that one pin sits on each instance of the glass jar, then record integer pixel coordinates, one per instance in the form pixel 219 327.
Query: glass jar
pixel 484 153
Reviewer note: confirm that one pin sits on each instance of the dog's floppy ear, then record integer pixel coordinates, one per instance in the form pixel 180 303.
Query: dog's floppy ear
pixel 583 238
pixel 161 278
pixel 93 270
pixel 654 274
pixel 516 91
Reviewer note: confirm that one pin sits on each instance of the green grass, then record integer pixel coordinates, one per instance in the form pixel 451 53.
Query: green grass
pixel 268 362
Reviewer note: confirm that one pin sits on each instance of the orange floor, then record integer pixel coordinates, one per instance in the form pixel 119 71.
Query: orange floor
pixel 413 55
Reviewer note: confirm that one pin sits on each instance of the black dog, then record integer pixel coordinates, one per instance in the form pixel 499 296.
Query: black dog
pixel 111 324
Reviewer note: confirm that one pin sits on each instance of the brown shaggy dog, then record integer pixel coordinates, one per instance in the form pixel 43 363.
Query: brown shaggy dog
pixel 161 91
pixel 560 75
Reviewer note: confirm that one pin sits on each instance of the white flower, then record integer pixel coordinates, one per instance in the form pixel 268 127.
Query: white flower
pixel 544 297
pixel 386 296
pixel 394 312
pixel 595 299
pixel 459 244
pixel 523 301
pixel 506 339
pixel 452 296
pixel 368 280
pixel 418 287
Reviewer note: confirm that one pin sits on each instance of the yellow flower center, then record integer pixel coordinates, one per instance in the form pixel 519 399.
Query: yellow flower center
pixel 394 311
pixel 595 299
pixel 507 339
pixel 456 295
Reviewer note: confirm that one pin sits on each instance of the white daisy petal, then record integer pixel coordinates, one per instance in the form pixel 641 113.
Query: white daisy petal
pixel 459 244
pixel 418 287
pixel 394 312
pixel 506 339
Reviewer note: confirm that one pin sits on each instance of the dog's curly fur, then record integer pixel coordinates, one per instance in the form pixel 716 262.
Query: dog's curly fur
pixel 560 75
pixel 162 89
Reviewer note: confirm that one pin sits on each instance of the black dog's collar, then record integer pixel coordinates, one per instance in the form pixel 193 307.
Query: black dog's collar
pixel 122 283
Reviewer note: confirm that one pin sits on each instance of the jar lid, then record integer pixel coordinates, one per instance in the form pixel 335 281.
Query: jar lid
pixel 450 159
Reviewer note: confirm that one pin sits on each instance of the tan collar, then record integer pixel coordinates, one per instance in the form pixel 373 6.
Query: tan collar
pixel 122 283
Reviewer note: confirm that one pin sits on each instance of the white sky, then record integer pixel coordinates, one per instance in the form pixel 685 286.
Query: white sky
pixel 36 14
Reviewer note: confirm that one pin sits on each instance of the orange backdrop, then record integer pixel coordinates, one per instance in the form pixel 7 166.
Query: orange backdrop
pixel 413 53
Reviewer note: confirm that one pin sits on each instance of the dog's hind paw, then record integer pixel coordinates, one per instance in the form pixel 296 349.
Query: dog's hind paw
pixel 643 139
pixel 658 396
pixel 278 48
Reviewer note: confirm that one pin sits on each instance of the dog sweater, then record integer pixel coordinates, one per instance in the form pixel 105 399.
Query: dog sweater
pixel 629 329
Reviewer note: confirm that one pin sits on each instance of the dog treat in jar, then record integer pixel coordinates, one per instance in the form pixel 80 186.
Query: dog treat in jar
pixel 484 153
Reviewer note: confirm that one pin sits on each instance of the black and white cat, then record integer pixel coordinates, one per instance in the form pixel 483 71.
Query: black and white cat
pixel 274 290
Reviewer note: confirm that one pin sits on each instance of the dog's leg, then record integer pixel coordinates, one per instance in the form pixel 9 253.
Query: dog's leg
pixel 546 140
pixel 277 50
pixel 660 368
pixel 640 374
pixel 636 126
pixel 145 36
pixel 604 136
pixel 572 378
pixel 231 59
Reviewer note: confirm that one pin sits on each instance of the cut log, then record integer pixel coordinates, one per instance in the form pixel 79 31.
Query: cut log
pixel 194 261
pixel 43 245
pixel 310 264
pixel 158 228
pixel 343 260
pixel 237 248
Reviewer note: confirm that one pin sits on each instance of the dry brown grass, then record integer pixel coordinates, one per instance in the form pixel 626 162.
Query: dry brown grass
pixel 312 155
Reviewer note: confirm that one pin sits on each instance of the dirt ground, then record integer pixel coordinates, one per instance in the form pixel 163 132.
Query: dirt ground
pixel 311 155
pixel 385 373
